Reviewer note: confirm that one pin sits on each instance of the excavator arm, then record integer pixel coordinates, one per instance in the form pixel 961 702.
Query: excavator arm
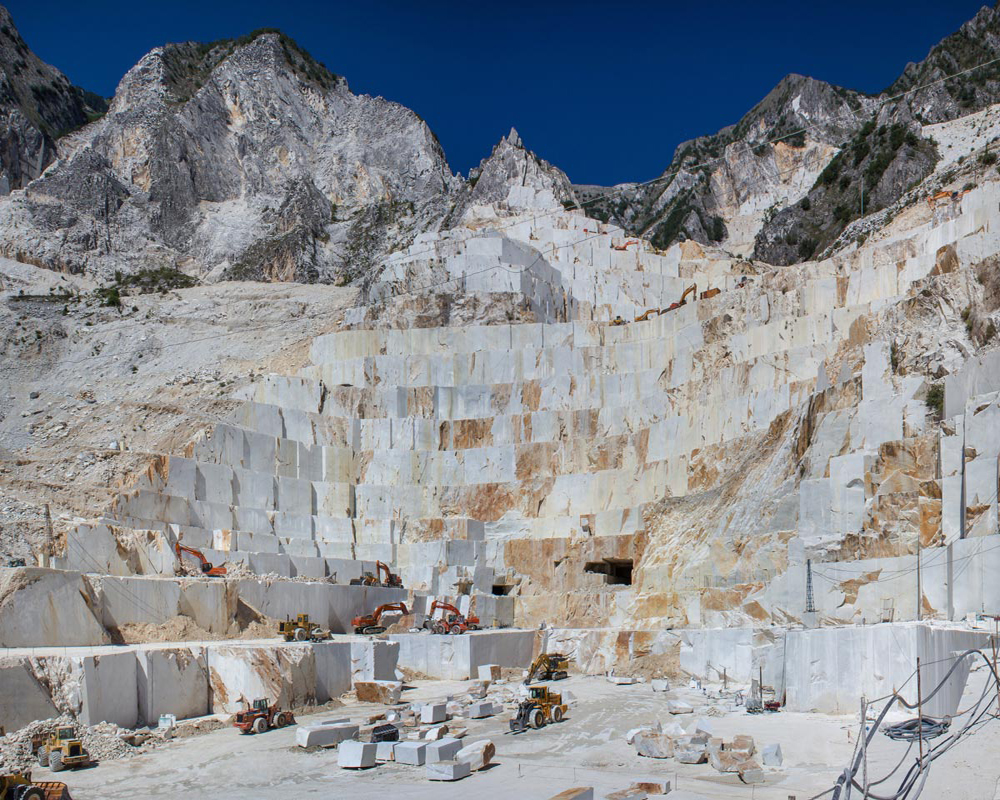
pixel 206 565
pixel 692 290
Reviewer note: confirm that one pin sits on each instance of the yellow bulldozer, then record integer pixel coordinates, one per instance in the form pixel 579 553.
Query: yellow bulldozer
pixel 542 707
pixel 61 749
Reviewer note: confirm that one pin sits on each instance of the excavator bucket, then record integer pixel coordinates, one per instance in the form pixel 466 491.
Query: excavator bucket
pixel 54 790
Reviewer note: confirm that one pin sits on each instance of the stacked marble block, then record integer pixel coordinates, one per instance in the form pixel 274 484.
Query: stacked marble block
pixel 133 684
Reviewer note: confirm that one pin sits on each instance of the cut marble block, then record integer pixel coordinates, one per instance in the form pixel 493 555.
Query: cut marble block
pixel 477 755
pixel 383 751
pixel 325 734
pixel 448 771
pixel 410 753
pixel 443 749
pixel 432 713
pixel 355 755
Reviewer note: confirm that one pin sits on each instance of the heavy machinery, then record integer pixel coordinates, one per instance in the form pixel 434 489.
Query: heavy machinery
pixel 692 290
pixel 370 624
pixel 205 564
pixel 19 786
pixel 301 629
pixel 540 708
pixel 624 246
pixel 453 620
pixel 548 667
pixel 709 293
pixel 259 716
pixel 60 749
pixel 618 321
pixel 391 580
pixel 647 314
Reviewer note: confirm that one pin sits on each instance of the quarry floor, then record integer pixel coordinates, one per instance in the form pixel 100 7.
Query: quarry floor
pixel 587 749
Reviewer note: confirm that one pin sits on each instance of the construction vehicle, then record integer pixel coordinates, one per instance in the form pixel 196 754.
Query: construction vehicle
pixel 452 622
pixel 692 290
pixel 548 667
pixel 391 580
pixel 259 716
pixel 624 246
pixel 647 314
pixel 709 293
pixel 618 321
pixel 19 786
pixel 370 624
pixel 60 749
pixel 542 707
pixel 301 629
pixel 205 564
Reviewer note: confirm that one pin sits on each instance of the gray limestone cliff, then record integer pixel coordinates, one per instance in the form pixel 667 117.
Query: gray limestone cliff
pixel 236 159
pixel 37 106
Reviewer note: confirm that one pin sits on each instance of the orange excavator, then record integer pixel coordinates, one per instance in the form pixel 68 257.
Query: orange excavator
pixel 392 580
pixel 206 565
pixel 454 621
pixel 647 314
pixel 709 293
pixel 624 246
pixel 691 290
pixel 370 624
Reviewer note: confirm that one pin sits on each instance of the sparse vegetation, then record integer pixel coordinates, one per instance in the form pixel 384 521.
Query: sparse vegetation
pixel 935 399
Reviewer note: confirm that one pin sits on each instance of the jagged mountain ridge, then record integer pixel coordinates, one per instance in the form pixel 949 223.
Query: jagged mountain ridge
pixel 715 183
pixel 247 159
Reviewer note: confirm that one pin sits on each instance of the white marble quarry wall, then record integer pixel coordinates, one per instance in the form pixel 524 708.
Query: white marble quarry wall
pixel 829 669
pixel 172 680
pixel 391 436
pixel 459 657
pixel 23 697
pixel 51 607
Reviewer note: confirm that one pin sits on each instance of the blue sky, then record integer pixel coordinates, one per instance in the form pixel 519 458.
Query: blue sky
pixel 605 91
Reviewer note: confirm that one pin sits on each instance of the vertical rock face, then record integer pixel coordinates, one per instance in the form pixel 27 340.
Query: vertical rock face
pixel 37 105
pixel 243 159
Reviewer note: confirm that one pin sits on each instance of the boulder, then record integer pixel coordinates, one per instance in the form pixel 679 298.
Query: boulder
pixel 771 755
pixel 654 745
pixel 691 749
pixel 477 755
pixel 355 755
pixel 630 735
pixel 383 751
pixel 448 771
pixel 660 685
pixel 385 692
pixel 578 793
pixel 724 760
pixel 488 672
pixel 621 680
pixel 653 787
pixel 435 733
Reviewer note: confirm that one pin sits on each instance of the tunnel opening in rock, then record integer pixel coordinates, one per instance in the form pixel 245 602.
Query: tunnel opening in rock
pixel 501 589
pixel 616 571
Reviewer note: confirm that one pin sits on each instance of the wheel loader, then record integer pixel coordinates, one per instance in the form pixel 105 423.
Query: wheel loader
pixel 542 707
pixel 301 629
pixel 19 786
pixel 61 749
pixel 259 716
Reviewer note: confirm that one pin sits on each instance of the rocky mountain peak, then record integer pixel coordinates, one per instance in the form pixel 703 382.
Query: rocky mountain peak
pixel 242 158
pixel 38 104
